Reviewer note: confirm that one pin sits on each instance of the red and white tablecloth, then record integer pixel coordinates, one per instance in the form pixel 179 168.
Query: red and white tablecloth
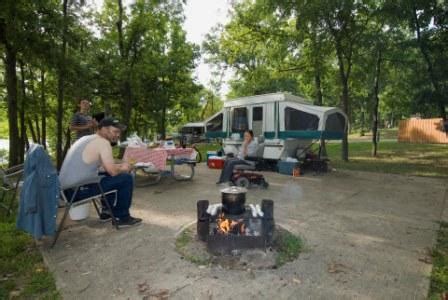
pixel 157 156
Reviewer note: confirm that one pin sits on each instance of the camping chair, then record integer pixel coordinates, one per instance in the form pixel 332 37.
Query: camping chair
pixel 70 202
pixel 11 182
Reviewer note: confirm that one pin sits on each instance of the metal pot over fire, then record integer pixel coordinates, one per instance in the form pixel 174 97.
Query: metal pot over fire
pixel 233 199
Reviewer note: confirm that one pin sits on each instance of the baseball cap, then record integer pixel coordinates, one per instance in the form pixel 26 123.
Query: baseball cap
pixel 110 121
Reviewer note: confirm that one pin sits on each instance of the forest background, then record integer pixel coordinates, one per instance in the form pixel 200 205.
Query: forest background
pixel 380 61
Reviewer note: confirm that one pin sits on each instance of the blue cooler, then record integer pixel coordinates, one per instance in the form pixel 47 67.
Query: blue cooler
pixel 286 167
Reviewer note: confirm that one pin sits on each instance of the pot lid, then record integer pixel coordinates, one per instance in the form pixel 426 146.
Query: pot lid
pixel 234 190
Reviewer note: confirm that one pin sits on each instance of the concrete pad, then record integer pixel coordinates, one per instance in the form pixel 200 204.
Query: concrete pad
pixel 367 236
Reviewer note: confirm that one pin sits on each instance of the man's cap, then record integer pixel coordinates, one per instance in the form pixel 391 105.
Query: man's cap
pixel 110 121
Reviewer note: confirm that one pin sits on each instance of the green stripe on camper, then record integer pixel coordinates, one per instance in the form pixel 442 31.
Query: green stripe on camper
pixel 309 134
pixel 333 135
pixel 269 134
pixel 216 134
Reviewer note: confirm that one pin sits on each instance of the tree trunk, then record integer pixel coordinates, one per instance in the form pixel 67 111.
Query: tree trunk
pixel 318 86
pixel 344 74
pixel 376 103
pixel 126 90
pixel 22 112
pixel 162 129
pixel 68 138
pixel 429 66
pixel 61 84
pixel 43 109
pixel 31 127
pixel 11 89
pixel 36 121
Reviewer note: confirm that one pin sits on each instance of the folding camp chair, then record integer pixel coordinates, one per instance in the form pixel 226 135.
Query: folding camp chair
pixel 11 182
pixel 70 202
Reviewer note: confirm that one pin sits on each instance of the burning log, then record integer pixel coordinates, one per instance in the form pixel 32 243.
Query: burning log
pixel 227 226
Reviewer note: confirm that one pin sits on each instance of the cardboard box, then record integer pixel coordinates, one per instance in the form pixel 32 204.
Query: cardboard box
pixel 215 162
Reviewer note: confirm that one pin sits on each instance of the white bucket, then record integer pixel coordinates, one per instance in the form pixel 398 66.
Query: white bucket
pixel 79 212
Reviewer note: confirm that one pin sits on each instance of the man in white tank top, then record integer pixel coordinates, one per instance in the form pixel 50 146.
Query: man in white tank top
pixel 92 154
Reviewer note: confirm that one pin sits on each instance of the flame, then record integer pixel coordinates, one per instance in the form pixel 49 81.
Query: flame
pixel 227 226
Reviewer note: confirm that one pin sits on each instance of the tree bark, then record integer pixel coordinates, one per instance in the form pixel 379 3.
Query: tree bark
pixel 33 132
pixel 376 103
pixel 318 85
pixel 67 142
pixel 344 74
pixel 61 85
pixel 11 89
pixel 22 112
pixel 429 66
pixel 126 90
pixel 43 109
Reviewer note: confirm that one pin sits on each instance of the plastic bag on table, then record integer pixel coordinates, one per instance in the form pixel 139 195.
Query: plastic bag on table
pixel 134 141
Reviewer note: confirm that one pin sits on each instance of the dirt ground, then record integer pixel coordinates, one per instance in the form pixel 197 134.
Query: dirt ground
pixel 366 236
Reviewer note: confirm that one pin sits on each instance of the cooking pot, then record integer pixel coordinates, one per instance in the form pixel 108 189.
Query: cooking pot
pixel 233 199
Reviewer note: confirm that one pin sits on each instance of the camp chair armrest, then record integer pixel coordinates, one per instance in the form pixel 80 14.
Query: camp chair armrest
pixel 17 169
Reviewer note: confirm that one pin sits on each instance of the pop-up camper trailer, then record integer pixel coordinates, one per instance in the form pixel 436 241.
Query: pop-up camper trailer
pixel 287 124
pixel 193 132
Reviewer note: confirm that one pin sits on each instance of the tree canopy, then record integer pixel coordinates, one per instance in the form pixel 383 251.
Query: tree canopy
pixel 380 61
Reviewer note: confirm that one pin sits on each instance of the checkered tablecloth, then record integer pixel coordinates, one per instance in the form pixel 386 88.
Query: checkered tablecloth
pixel 157 156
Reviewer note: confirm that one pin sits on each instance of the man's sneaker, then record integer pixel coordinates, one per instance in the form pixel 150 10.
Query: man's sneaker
pixel 131 221
pixel 105 217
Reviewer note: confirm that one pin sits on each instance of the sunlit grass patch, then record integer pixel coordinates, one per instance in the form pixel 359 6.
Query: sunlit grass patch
pixel 429 160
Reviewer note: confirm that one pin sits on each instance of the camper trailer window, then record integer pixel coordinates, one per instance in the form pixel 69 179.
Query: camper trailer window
pixel 335 122
pixel 215 124
pixel 257 113
pixel 300 120
pixel 239 120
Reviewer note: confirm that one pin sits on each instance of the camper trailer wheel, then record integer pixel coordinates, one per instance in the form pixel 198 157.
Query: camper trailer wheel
pixel 243 182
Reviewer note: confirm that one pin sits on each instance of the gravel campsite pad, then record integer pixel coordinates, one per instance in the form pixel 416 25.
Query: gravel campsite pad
pixel 364 234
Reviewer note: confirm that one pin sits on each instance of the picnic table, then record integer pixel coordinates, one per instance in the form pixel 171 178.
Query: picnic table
pixel 150 164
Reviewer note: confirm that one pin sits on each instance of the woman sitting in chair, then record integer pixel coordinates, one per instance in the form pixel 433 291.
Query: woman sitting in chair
pixel 248 148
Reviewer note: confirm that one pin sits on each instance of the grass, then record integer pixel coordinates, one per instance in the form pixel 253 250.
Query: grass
pixel 438 288
pixel 430 160
pixel 23 274
pixel 203 148
pixel 183 241
pixel 385 134
pixel 287 245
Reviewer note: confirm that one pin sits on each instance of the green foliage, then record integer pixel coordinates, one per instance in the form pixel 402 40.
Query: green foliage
pixel 21 266
pixel 204 147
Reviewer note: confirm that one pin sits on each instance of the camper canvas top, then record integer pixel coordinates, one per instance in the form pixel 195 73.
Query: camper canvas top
pixel 266 98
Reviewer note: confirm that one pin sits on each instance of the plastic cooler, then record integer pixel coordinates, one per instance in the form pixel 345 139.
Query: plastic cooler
pixel 286 167
pixel 211 153
pixel 215 162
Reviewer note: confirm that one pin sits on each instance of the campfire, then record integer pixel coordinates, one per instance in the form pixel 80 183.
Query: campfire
pixel 232 225
pixel 228 226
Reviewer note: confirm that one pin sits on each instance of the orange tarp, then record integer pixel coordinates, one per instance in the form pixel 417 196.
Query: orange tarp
pixel 422 131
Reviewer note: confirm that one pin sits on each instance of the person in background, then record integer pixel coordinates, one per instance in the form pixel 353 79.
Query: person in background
pixel 82 123
pixel 247 149
pixel 91 155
